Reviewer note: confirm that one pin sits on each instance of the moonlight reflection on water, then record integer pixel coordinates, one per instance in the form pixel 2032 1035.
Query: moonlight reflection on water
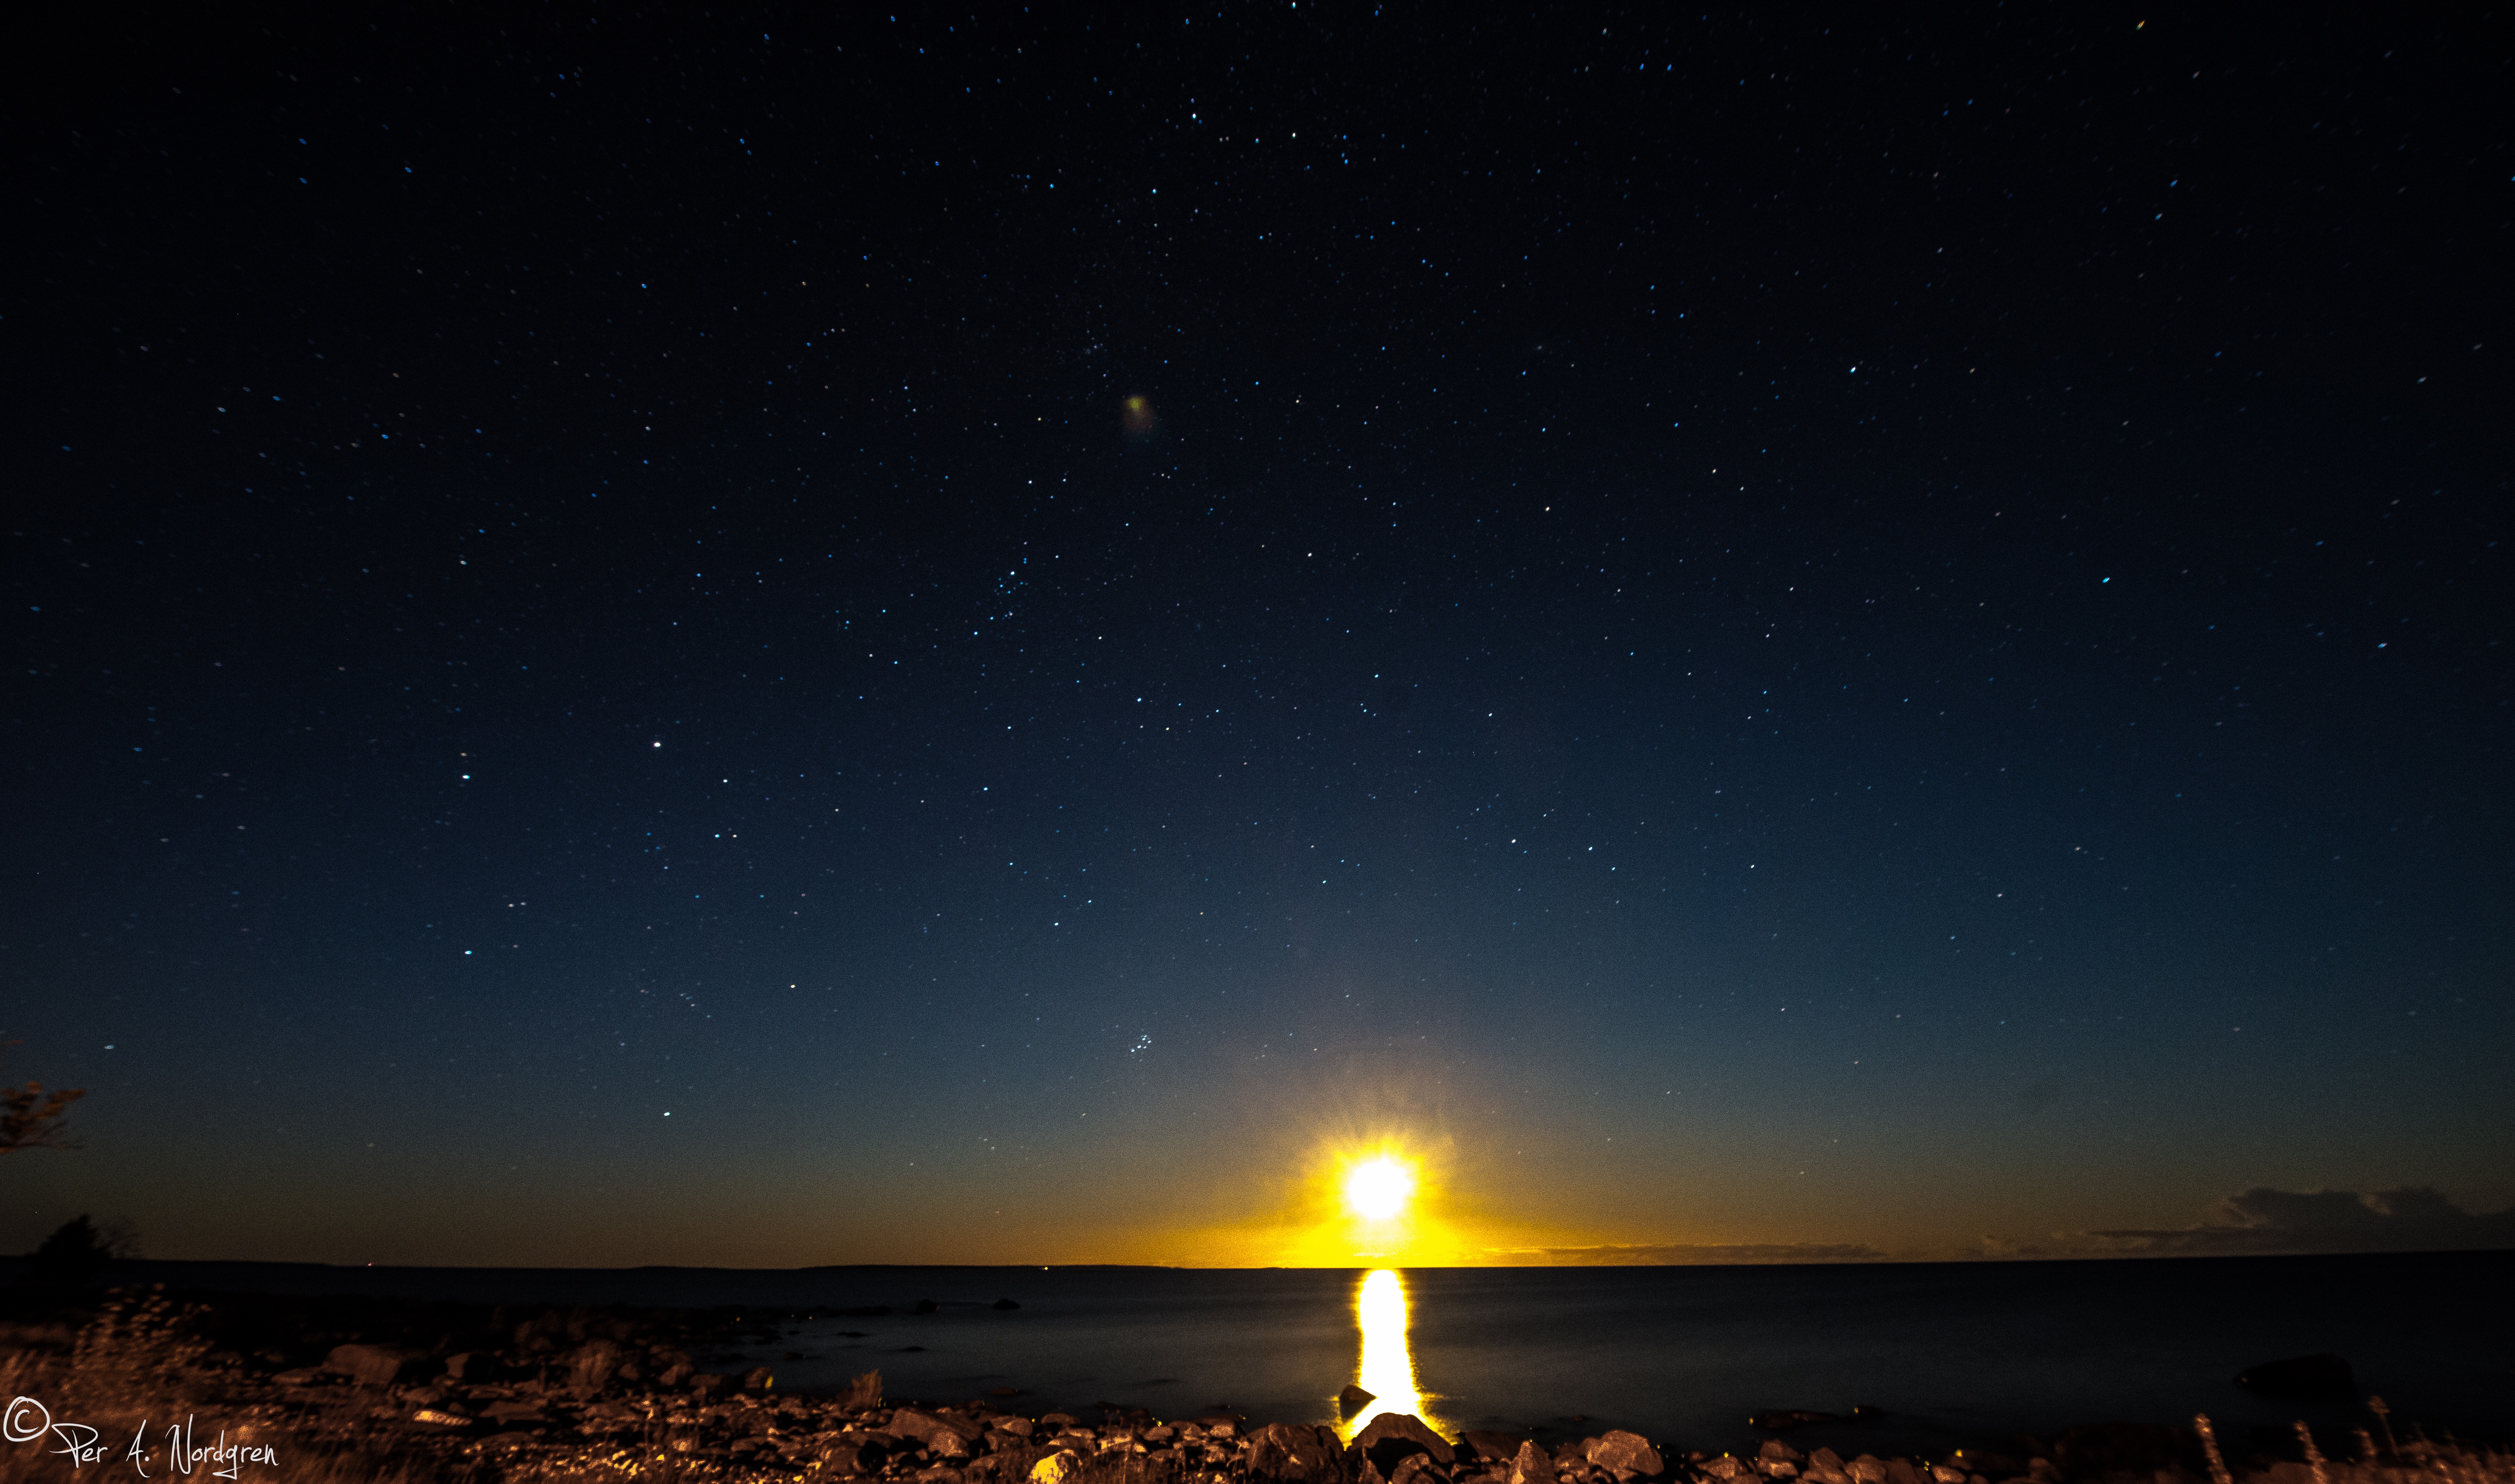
pixel 1386 1368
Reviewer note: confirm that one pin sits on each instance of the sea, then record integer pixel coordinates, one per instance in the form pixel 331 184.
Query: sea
pixel 1937 1355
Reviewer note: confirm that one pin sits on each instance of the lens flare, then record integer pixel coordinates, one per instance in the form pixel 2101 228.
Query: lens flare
pixel 1378 1188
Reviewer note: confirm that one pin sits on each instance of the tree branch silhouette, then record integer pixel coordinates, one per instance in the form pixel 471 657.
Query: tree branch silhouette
pixel 31 1118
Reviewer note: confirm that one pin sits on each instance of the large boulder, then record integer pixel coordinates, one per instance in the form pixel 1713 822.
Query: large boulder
pixel 1532 1464
pixel 1289 1452
pixel 1626 1453
pixel 373 1365
pixel 1387 1439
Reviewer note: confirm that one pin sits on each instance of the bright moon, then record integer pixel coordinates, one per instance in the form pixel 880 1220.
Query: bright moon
pixel 1377 1190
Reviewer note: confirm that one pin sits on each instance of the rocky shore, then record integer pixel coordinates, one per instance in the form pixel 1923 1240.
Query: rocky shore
pixel 423 1392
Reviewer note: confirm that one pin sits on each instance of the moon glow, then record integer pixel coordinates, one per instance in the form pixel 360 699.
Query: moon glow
pixel 1378 1188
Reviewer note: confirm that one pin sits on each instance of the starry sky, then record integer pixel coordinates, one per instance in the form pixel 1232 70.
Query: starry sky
pixel 756 640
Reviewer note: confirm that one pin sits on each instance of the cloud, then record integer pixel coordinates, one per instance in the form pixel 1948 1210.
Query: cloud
pixel 2415 1219
pixel 1678 1253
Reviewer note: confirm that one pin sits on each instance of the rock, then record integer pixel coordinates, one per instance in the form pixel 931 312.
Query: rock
pixel 1286 1451
pixel 1056 1468
pixel 1353 1399
pixel 1006 1303
pixel 1011 1463
pixel 371 1365
pixel 855 1452
pixel 594 1363
pixel 436 1417
pixel 1726 1466
pixel 1902 1471
pixel 758 1379
pixel 1867 1468
pixel 944 1434
pixel 2302 1378
pixel 1777 1450
pixel 1417 1468
pixel 1625 1453
pixel 1391 1435
pixel 1532 1464
pixel 1493 1447
pixel 865 1392
pixel 1825 1466
pixel 1945 1475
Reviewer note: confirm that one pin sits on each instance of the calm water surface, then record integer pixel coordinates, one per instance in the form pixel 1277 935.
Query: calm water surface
pixel 1967 1351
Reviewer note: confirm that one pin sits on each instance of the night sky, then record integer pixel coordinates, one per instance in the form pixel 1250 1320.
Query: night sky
pixel 738 638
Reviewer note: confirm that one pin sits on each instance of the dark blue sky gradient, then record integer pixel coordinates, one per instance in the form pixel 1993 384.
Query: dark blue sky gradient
pixel 1741 632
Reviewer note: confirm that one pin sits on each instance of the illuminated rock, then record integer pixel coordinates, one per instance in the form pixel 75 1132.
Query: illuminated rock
pixel 1490 1446
pixel 1286 1451
pixel 1625 1453
pixel 1389 1428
